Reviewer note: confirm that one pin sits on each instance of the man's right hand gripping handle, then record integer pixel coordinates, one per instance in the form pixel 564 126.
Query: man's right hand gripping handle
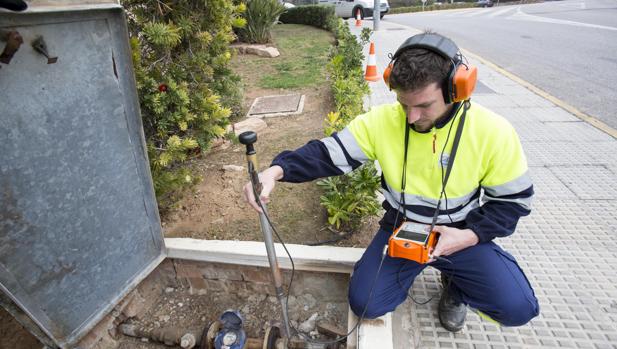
pixel 268 179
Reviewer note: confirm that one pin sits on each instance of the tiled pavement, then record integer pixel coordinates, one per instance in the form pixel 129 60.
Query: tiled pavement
pixel 567 246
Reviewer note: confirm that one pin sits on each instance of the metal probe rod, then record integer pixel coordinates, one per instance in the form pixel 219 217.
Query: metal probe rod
pixel 249 138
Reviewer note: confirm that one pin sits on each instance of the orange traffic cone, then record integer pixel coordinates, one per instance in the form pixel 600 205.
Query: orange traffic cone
pixel 371 67
pixel 358 18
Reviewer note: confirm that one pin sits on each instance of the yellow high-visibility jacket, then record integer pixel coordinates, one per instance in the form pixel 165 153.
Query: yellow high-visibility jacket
pixel 489 187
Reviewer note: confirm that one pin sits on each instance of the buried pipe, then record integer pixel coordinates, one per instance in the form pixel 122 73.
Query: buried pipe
pixel 166 335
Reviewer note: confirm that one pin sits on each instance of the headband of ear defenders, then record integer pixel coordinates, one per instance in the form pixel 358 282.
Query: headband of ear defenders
pixel 461 79
pixel 432 42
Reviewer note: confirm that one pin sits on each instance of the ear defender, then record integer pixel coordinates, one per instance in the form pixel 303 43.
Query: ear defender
pixel 462 77
pixel 463 83
pixel 386 73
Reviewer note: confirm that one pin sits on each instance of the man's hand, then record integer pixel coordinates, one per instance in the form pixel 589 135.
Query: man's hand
pixel 268 179
pixel 452 240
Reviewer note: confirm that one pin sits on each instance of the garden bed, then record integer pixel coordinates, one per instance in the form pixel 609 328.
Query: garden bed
pixel 215 209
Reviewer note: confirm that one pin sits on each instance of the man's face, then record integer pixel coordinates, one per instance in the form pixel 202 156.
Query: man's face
pixel 423 106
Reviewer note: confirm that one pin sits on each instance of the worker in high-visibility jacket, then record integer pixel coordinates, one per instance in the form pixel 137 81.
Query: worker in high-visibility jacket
pixel 488 190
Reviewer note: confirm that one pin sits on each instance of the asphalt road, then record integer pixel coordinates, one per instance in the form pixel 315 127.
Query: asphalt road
pixel 566 48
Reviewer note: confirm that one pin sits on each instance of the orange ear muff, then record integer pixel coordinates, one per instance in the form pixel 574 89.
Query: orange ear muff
pixel 464 82
pixel 386 74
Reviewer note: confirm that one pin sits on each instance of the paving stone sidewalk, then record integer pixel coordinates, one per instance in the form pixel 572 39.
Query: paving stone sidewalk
pixel 567 246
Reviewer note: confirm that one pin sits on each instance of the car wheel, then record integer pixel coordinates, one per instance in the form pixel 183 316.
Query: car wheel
pixel 381 15
pixel 355 10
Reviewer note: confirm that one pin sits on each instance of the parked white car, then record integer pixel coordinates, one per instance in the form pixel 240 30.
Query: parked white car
pixel 349 8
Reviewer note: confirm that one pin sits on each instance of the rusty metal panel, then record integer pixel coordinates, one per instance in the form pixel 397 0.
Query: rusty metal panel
pixel 79 225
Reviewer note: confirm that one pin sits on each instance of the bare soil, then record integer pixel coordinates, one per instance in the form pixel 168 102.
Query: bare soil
pixel 216 210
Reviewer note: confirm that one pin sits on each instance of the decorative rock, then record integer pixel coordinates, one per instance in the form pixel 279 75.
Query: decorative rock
pixel 270 52
pixel 251 124
pixel 218 142
pixel 259 50
pixel 169 290
pixel 233 168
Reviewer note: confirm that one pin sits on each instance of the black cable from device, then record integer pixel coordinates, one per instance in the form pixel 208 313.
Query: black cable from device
pixel 442 194
pixel 450 277
pixel 293 268
pixel 443 189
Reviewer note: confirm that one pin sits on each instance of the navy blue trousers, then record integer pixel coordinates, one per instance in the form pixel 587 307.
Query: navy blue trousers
pixel 484 276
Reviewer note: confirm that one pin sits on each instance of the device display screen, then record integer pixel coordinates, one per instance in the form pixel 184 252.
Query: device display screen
pixel 414 232
pixel 410 235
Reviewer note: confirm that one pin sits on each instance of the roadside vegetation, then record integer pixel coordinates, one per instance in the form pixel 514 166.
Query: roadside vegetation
pixel 190 90
pixel 260 17
pixel 187 91
pixel 351 198
pixel 326 66
pixel 432 7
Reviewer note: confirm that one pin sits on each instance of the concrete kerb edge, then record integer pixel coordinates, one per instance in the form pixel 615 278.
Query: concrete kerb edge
pixel 309 258
pixel 567 107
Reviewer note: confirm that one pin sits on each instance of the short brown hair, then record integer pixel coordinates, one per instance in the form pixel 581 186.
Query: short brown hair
pixel 417 68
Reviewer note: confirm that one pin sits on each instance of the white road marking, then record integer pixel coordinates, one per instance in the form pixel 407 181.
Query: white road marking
pixel 521 16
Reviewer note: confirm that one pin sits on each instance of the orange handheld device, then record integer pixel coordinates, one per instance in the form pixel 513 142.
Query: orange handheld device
pixel 412 241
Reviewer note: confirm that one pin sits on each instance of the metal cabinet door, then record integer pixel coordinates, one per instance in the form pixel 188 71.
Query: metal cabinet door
pixel 79 225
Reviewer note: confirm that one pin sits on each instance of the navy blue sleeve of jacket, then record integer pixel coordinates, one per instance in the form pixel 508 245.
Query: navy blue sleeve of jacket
pixel 309 162
pixel 497 218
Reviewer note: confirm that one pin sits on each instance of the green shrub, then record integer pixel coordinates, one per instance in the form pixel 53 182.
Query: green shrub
pixel 186 89
pixel 347 75
pixel 417 8
pixel 352 197
pixel 411 3
pixel 261 16
pixel 319 16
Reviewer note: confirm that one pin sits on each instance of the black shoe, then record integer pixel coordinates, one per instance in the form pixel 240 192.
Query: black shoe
pixel 452 312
